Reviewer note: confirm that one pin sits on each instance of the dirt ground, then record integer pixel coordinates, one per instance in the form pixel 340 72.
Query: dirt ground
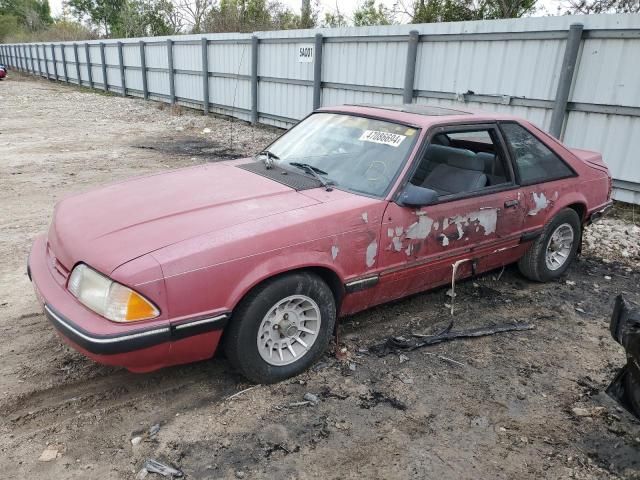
pixel 494 407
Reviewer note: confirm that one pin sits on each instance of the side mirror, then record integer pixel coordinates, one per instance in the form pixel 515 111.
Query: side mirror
pixel 414 196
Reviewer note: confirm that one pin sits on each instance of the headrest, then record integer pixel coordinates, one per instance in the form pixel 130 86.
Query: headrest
pixel 455 157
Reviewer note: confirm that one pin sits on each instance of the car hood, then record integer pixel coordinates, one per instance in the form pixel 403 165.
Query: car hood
pixel 109 226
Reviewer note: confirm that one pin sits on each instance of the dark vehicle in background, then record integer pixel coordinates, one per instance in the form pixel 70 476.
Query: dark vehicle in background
pixel 3 71
pixel 625 329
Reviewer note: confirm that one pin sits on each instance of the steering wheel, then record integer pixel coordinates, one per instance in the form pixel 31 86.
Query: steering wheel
pixel 376 172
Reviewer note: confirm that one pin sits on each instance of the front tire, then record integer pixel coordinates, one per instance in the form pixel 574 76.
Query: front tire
pixel 281 327
pixel 553 251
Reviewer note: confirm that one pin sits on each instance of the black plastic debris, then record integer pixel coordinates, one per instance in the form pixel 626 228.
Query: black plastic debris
pixel 625 329
pixel 401 344
pixel 374 398
pixel 154 466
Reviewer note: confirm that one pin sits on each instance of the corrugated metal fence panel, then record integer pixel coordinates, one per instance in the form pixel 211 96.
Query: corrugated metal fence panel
pixel 231 88
pixel 525 68
pixel 609 72
pixel 156 56
pixel 617 137
pixel 280 61
pixel 511 66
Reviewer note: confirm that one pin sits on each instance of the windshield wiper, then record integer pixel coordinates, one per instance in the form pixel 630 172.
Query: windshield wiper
pixel 268 158
pixel 315 172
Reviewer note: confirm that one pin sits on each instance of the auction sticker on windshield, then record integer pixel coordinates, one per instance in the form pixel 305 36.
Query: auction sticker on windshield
pixel 384 138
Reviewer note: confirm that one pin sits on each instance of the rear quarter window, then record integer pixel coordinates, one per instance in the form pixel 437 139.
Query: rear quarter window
pixel 534 161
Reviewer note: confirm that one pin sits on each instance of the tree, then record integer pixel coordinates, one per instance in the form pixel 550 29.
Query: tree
pixel 368 14
pixel 194 13
pixel 104 14
pixel 254 15
pixel 31 15
pixel 334 20
pixel 587 7
pixel 142 18
pixel 430 11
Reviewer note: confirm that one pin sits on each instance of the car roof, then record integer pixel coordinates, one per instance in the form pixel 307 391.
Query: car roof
pixel 419 115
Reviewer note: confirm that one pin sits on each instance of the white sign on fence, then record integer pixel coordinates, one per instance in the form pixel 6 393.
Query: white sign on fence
pixel 305 53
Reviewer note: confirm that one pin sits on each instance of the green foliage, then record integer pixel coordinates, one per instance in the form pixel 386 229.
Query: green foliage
pixel 368 14
pixel 104 14
pixel 144 18
pixel 334 20
pixel 430 11
pixel 29 15
pixel 61 30
pixel 603 6
pixel 255 15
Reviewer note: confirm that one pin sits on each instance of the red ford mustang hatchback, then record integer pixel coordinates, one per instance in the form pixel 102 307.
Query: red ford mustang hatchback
pixel 353 207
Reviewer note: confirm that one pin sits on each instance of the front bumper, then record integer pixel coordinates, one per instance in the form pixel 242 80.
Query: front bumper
pixel 143 347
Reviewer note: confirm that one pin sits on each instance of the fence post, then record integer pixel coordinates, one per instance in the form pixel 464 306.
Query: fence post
pixel 75 57
pixel 38 60
pixel 172 82
pixel 317 72
pixel 55 62
pixel 574 38
pixel 46 61
pixel 143 69
pixel 33 68
pixel 123 81
pixel 254 80
pixel 105 80
pixel 25 59
pixel 89 68
pixel 205 75
pixel 64 63
pixel 410 67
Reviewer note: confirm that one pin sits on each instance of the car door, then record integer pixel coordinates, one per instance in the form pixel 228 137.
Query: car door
pixel 475 223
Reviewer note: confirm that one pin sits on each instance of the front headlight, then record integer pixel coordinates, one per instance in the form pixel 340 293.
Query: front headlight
pixel 108 298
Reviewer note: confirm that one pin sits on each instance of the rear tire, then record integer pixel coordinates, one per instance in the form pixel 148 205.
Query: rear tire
pixel 281 327
pixel 553 251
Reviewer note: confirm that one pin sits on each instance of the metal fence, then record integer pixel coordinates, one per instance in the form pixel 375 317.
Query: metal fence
pixel 577 77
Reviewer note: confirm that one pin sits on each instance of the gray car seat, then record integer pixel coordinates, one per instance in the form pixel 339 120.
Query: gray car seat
pixel 492 168
pixel 462 172
pixel 436 155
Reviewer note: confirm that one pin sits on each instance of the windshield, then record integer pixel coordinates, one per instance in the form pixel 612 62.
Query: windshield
pixel 354 153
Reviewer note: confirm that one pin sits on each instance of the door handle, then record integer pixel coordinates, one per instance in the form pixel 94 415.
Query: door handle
pixel 511 203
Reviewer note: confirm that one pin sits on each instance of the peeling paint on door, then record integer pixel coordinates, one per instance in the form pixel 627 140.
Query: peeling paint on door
pixel 372 251
pixel 540 201
pixel 420 229
pixel 334 251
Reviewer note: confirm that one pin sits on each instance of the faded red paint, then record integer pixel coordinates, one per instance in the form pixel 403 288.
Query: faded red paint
pixel 196 240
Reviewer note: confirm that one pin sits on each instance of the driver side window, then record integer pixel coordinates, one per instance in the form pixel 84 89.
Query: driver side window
pixel 462 161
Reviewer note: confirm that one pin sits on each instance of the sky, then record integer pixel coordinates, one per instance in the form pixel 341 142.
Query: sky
pixel 346 7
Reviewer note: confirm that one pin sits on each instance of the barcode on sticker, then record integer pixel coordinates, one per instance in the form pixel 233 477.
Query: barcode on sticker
pixel 385 138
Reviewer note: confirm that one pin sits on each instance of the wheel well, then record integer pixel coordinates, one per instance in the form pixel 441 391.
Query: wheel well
pixel 580 209
pixel 330 277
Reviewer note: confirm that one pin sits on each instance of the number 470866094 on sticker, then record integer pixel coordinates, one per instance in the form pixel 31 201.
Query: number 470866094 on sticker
pixel 385 138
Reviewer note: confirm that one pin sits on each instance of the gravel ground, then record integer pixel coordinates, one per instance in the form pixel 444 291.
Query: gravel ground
pixel 516 405
pixel 614 239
